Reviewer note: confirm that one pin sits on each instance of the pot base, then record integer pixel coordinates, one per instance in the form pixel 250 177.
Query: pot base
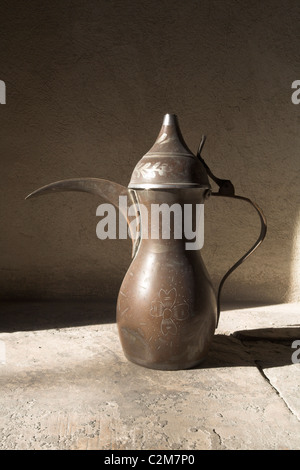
pixel 165 366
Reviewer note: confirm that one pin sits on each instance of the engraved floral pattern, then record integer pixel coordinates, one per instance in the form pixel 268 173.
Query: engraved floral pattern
pixel 169 311
pixel 148 170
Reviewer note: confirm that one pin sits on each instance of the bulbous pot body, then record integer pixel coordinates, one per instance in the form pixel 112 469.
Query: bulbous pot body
pixel 166 308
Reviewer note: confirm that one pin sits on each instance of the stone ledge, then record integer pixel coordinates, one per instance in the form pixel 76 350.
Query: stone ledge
pixel 72 388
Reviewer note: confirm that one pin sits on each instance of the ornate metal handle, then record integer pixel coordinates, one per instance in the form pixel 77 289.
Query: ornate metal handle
pixel 263 231
pixel 226 189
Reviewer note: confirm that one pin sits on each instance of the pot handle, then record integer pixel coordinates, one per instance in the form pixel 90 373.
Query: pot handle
pixel 226 189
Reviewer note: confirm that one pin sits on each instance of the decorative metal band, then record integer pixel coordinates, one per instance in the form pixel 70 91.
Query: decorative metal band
pixel 166 186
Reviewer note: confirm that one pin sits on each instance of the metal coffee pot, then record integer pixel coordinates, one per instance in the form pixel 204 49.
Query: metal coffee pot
pixel 167 310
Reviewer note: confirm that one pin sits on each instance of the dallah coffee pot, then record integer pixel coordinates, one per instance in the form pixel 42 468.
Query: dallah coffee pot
pixel 167 310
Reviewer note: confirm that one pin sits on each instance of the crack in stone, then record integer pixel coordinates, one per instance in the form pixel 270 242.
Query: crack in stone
pixel 262 373
pixel 218 437
pixel 281 341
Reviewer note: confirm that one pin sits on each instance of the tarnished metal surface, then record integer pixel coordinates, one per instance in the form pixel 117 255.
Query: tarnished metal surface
pixel 169 163
pixel 167 310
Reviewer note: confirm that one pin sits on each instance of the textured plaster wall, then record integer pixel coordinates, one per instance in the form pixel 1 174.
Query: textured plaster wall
pixel 88 83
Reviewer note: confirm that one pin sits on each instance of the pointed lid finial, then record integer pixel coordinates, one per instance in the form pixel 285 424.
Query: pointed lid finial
pixel 170 140
pixel 169 163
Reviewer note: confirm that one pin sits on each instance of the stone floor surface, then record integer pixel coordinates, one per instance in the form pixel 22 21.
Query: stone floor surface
pixel 65 383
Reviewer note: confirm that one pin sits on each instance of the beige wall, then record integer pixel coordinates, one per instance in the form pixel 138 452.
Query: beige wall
pixel 88 83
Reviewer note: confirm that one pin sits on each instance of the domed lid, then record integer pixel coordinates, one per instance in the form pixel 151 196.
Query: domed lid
pixel 169 163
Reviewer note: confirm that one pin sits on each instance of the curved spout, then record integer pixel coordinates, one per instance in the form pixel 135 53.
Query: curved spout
pixel 104 188
pixel 109 190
